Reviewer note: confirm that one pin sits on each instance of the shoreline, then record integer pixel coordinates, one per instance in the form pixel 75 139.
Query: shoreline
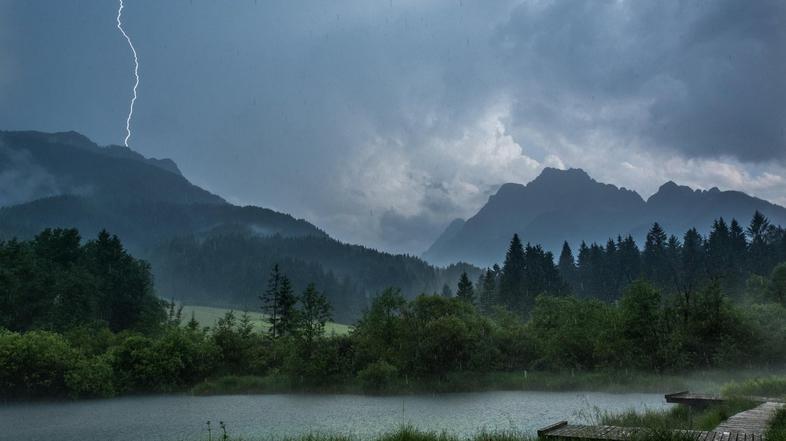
pixel 610 381
pixel 606 381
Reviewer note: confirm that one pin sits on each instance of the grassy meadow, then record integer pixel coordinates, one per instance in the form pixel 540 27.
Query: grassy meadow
pixel 208 316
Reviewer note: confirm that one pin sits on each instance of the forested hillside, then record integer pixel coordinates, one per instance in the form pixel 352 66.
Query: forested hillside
pixel 202 248
pixel 79 319
pixel 733 260
pixel 235 262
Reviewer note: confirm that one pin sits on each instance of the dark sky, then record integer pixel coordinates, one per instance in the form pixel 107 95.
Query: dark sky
pixel 380 121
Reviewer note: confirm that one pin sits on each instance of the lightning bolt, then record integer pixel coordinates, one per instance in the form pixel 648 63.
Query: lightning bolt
pixel 136 72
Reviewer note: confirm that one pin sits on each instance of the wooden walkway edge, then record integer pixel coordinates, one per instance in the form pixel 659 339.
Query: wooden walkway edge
pixel 616 433
pixel 749 425
pixel 702 400
pixel 754 420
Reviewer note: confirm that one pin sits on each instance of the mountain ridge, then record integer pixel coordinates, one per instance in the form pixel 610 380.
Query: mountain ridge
pixel 569 205
pixel 202 248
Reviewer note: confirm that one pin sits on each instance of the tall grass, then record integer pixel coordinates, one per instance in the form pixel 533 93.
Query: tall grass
pixel 777 429
pixel 678 417
pixel 404 433
pixel 408 433
pixel 773 387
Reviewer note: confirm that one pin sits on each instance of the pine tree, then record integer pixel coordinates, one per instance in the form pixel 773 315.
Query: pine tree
pixel 465 291
pixel 738 255
pixel 511 284
pixel 488 295
pixel 629 259
pixel 611 285
pixel 315 312
pixel 596 283
pixel 757 231
pixel 271 304
pixel 692 263
pixel 673 262
pixel 567 265
pixel 288 313
pixel 718 250
pixel 446 291
pixel 583 270
pixel 656 267
pixel 541 275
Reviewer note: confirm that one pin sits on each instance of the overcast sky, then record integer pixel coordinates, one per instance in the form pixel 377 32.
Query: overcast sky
pixel 381 121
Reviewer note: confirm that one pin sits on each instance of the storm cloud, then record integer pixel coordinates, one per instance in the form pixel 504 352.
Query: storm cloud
pixel 382 121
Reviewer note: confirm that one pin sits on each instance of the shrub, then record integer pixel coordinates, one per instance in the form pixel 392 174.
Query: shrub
pixel 34 364
pixel 377 376
pixel 179 358
pixel 777 429
pixel 90 377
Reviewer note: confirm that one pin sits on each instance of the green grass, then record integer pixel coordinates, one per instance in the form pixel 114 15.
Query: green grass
pixel 777 429
pixel 208 316
pixel 772 387
pixel 408 433
pixel 659 429
pixel 405 433
pixel 678 417
pixel 710 381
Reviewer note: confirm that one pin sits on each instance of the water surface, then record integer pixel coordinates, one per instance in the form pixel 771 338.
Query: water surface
pixel 176 418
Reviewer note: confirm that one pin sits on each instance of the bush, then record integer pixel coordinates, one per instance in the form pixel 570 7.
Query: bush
pixel 179 358
pixel 90 377
pixel 34 364
pixel 377 376
pixel 243 384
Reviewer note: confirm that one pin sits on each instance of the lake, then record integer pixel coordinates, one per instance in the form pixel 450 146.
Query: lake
pixel 177 418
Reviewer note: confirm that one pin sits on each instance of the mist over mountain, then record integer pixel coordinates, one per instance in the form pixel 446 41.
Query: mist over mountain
pixel 72 182
pixel 562 205
pixel 203 249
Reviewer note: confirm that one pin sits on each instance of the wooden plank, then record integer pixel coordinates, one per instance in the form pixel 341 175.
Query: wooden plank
pixel 560 431
pixel 693 399
pixel 616 433
pixel 551 427
pixel 754 420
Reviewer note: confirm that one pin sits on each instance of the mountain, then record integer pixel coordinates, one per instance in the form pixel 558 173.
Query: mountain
pixel 569 205
pixel 64 179
pixel 678 207
pixel 202 248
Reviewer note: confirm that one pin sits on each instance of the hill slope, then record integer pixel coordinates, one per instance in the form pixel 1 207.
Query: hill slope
pixel 64 179
pixel 202 248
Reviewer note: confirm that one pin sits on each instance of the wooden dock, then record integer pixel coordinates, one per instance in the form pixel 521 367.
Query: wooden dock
pixel 693 399
pixel 749 425
pixel 703 400
pixel 754 420
pixel 566 432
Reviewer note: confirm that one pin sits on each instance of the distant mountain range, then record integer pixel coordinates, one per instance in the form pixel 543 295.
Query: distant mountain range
pixel 202 248
pixel 562 205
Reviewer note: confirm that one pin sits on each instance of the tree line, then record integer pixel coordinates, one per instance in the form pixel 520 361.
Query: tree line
pixel 226 269
pixel 737 260
pixel 82 320
pixel 56 282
